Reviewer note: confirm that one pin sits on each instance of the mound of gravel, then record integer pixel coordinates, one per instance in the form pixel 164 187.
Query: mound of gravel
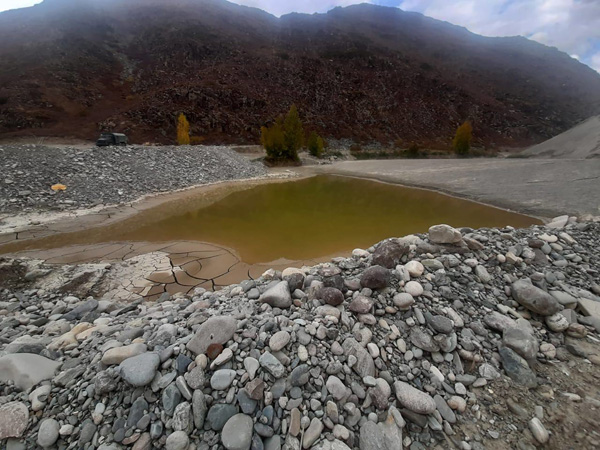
pixel 109 175
pixel 580 142
pixel 428 341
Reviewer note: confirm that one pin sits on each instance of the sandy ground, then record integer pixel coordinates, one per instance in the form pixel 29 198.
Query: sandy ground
pixel 539 187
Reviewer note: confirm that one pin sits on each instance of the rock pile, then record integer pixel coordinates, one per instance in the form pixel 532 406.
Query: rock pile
pixel 400 345
pixel 109 175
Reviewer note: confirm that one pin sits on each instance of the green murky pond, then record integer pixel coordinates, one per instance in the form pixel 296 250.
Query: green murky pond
pixel 297 220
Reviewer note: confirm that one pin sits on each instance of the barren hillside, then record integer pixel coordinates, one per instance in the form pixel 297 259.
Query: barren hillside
pixel 72 68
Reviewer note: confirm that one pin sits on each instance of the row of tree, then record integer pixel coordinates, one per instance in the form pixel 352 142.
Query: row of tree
pixel 286 136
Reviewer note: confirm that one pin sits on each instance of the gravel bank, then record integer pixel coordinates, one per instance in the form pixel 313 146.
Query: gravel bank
pixel 109 175
pixel 540 187
pixel 470 339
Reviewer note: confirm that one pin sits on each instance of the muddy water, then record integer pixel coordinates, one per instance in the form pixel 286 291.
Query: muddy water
pixel 296 220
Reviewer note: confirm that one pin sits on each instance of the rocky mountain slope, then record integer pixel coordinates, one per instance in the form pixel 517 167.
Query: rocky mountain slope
pixel 72 68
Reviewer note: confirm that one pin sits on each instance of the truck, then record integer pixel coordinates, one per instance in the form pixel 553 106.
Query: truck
pixel 111 139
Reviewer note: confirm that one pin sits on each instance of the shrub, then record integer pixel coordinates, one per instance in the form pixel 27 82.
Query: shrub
pixel 272 139
pixel 183 130
pixel 284 138
pixel 315 144
pixel 462 140
pixel 413 151
pixel 293 132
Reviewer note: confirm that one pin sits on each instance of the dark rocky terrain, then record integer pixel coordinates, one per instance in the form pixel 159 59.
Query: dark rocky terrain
pixel 73 68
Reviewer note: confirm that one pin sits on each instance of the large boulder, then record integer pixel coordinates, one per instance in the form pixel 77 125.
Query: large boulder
pixel 534 298
pixel 413 399
pixel 26 370
pixel 444 234
pixel 331 296
pixel 216 330
pixel 517 368
pixel 389 253
pixel 237 432
pixel 278 296
pixel 521 341
pixel 13 419
pixel 140 370
pixel 375 277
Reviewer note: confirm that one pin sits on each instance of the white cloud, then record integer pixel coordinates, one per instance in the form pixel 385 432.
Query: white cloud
pixel 14 4
pixel 572 26
pixel 280 7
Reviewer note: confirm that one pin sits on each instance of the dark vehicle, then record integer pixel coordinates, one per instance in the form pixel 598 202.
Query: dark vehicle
pixel 111 139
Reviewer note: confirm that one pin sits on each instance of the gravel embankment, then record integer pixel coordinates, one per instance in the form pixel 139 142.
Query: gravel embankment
pixel 109 175
pixel 470 339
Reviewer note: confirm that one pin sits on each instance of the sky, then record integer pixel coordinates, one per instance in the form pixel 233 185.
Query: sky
pixel 572 26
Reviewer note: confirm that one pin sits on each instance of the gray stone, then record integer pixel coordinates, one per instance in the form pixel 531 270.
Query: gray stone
pixel 222 379
pixel 26 370
pixel 380 394
pixel 375 277
pixel 403 301
pixel 195 378
pixel 444 234
pixel 48 433
pixel 182 417
pixel 199 408
pixel 371 437
pixel 219 414
pixel 534 298
pixel 279 340
pixel 498 321
pixel 440 324
pixel 330 445
pixel 237 432
pixel 517 368
pixel 88 429
pixel 278 296
pixel 364 365
pixel 521 341
pixel 140 370
pixel 312 433
pixel 414 399
pixel 178 440
pixel 557 322
pixel 423 340
pixel 216 330
pixel 361 304
pixel 300 375
pixel 336 388
pixel 483 274
pixel 272 365
pixel 443 408
pixel 171 397
pixel 14 417
pixel 137 411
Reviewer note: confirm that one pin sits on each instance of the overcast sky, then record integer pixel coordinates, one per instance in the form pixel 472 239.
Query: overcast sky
pixel 572 26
